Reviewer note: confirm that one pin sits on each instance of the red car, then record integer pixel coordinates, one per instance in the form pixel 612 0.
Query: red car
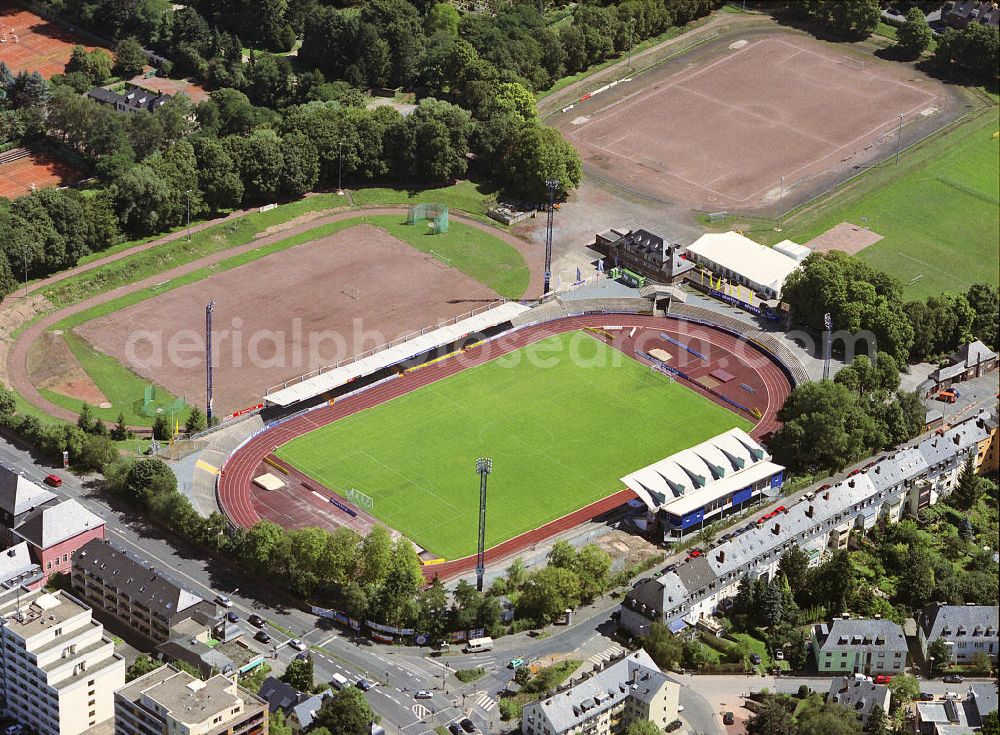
pixel 695 553
pixel 854 472
pixel 53 480
pixel 779 509
pixel 824 487
pixel 883 679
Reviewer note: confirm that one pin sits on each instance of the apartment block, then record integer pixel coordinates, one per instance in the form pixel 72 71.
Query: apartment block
pixel 171 701
pixel 966 629
pixel 135 594
pixel 628 690
pixel 59 670
pixel 860 646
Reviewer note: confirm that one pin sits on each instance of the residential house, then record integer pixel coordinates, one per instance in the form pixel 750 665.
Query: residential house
pixel 18 569
pixel 18 497
pixel 957 715
pixel 859 694
pixel 630 689
pixel 55 532
pixel 967 629
pixel 859 646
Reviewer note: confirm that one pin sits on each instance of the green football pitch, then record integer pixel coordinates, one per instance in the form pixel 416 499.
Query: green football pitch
pixel 563 419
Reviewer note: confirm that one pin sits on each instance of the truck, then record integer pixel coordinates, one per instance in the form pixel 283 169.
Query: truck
pixel 475 645
pixel 948 396
pixel 340 682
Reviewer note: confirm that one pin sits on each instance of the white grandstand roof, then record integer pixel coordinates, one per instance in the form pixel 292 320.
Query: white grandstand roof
pixel 694 477
pixel 755 262
pixel 337 377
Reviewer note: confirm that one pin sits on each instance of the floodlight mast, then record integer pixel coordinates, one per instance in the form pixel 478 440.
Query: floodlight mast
pixel 484 466
pixel 551 185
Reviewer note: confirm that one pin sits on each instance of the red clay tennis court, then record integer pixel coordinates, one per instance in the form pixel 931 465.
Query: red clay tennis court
pixel 21 170
pixel 724 131
pixel 30 43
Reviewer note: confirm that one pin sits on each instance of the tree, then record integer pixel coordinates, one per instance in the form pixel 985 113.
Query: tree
pixel 773 718
pixel 878 722
pixel 984 300
pixel 144 479
pixel 130 58
pixel 195 421
pixel 142 665
pixel 974 51
pixel 300 167
pixel 277 725
pixel 991 723
pixel 120 431
pixel 593 566
pixel 853 18
pixel 299 674
pixel 914 36
pixel 96 451
pixel 979 664
pixel 794 566
pixel 938 655
pixel 538 154
pixel 347 712
pixel 443 18
pixel 85 420
pixel 832 719
pixel 642 727
pixel 162 430
pixel 8 404
pixel 905 688
pixel 218 178
pixel 916 580
pixel 968 488
pixel 375 555
pixel 663 646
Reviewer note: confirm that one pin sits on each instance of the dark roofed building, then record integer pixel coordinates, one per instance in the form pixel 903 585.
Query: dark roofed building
pixel 859 694
pixel 860 646
pixel 645 253
pixel 965 628
pixel 18 497
pixel 972 360
pixel 134 99
pixel 55 532
pixel 134 593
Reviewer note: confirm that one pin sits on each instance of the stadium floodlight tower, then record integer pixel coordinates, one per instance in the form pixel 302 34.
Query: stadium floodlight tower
pixel 551 185
pixel 208 360
pixel 827 344
pixel 484 466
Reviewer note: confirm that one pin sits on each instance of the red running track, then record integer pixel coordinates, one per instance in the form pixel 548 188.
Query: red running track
pixel 750 366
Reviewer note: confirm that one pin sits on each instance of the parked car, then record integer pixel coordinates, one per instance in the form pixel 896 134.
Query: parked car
pixel 729 719
pixel 257 621
pixel 824 487
pixel 363 684
pixel 262 636
pixel 695 553
pixel 883 679
pixel 297 644
pixel 232 617
pixel 52 481
pixel 952 679
pixel 754 659
pixel 926 697
pixel 779 655
pixel 467 725
pixel 422 694
pixel 515 663
pixel 779 509
pixel 223 600
pixel 675 725
pixel 455 729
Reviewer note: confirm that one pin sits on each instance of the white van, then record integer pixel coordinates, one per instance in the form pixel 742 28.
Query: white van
pixel 340 682
pixel 475 645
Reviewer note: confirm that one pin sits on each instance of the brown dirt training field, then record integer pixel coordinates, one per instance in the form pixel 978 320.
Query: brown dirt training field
pixel 286 314
pixel 30 43
pixel 722 131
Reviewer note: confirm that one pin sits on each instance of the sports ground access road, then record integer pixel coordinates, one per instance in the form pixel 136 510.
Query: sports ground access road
pixel 235 491
pixel 17 355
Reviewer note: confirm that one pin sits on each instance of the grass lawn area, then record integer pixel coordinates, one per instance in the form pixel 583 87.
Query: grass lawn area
pixel 938 212
pixel 754 645
pixel 464 196
pixel 122 387
pixel 542 413
pixel 478 254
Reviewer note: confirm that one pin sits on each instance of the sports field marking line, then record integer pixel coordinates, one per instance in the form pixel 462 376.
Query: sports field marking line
pixel 935 269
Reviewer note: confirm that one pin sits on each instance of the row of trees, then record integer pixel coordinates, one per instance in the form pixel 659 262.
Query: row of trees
pixel 860 298
pixel 829 424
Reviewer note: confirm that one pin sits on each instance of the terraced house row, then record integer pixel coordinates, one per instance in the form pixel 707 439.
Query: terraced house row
pixel 902 483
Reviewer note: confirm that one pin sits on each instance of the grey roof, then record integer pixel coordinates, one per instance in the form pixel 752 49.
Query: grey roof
pixel 213 658
pixel 306 710
pixel 143 583
pixel 959 620
pixel 633 676
pixel 279 695
pixel 46 527
pixel 984 695
pixel 15 562
pixel 859 694
pixel 849 635
pixel 972 353
pixel 18 494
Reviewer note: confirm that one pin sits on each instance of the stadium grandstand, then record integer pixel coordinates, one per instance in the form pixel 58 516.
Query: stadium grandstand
pixel 695 487
pixel 743 262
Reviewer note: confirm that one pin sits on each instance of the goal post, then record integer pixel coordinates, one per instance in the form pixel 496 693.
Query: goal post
pixel 360 499
pixel 436 216
pixel 352 291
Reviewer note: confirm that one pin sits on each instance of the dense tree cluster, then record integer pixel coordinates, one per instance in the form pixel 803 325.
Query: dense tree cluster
pixel 851 18
pixel 829 424
pixel 942 323
pixel 972 52
pixel 915 35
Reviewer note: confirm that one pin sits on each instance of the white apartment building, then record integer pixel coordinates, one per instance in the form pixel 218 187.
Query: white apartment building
pixel 628 690
pixel 168 700
pixel 58 671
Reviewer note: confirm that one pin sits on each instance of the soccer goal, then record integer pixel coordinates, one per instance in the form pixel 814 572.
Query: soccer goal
pixel 360 499
pixel 440 258
pixel 351 291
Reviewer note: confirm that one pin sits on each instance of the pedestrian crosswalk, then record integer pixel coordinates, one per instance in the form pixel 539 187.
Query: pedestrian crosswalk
pixel 485 701
pixel 606 654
